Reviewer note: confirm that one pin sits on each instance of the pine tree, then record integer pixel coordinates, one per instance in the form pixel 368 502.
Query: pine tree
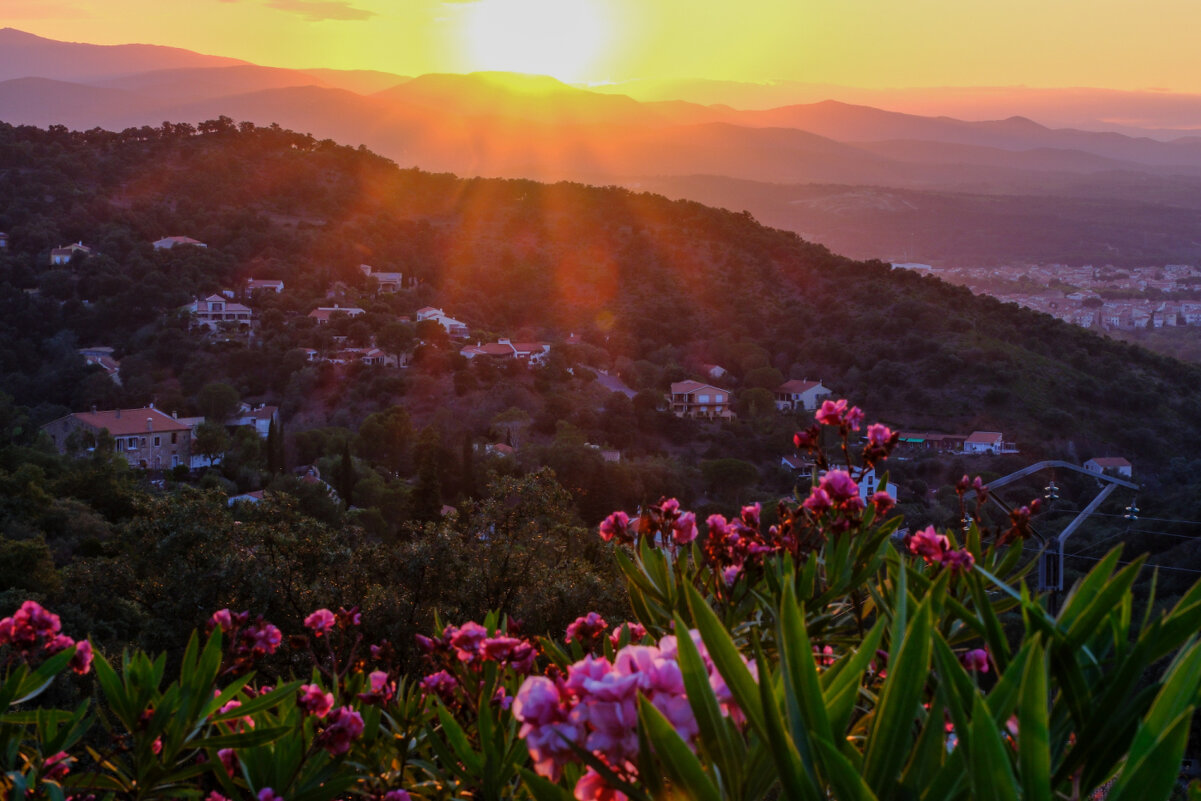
pixel 346 476
pixel 272 449
pixel 468 465
pixel 427 495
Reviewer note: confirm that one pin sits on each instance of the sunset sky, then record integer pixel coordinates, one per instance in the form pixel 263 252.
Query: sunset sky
pixel 866 43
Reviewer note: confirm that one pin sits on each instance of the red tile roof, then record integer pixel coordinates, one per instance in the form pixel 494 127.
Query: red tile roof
pixel 984 437
pixel 124 422
pixel 1110 461
pixel 797 385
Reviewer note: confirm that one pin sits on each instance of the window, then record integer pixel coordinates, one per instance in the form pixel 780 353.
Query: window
pixel 173 436
pixel 131 444
pixel 718 397
pixel 702 398
pixel 157 441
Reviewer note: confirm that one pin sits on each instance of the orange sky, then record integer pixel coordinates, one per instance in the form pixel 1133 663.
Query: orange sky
pixel 868 43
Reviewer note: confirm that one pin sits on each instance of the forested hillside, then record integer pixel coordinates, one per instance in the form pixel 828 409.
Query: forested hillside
pixel 652 289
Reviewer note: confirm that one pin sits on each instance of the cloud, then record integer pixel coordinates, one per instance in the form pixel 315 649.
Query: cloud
pixel 322 10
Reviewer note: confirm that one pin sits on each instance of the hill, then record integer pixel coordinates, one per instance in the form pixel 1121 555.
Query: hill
pixel 650 280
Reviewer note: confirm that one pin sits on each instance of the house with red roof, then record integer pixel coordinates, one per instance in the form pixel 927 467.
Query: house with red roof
pixel 703 401
pixel 64 253
pixel 323 314
pixel 801 395
pixel 264 284
pixel 1110 464
pixel 146 438
pixel 534 353
pixel 387 282
pixel 987 442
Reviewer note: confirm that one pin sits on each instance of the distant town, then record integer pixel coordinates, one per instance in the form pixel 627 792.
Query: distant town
pixel 1090 296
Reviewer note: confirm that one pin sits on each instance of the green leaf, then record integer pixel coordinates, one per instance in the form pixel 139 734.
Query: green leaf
pixel 544 789
pixel 715 736
pixel 726 659
pixel 794 767
pixel 1154 763
pixel 847 782
pixel 245 739
pixel 679 763
pixel 1034 750
pixel 989 772
pixel 892 729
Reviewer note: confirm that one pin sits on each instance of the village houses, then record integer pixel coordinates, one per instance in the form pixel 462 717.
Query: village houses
pixel 323 314
pixel 1109 464
pixel 801 395
pixel 387 282
pixel 454 328
pixel 63 254
pixel 534 353
pixel 216 309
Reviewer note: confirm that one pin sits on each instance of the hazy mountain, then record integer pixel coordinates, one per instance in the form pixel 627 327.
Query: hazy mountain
pixel 24 55
pixel 41 101
pixel 198 83
pixel 363 82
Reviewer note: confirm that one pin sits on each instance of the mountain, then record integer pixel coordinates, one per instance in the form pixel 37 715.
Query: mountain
pixel 23 55
pixel 199 83
pixel 363 82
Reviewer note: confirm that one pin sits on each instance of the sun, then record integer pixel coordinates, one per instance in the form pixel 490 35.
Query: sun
pixel 560 38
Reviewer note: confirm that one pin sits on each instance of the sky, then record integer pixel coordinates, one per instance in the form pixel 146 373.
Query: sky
pixel 864 43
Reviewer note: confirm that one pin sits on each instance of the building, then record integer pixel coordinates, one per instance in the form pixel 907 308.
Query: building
pixel 323 314
pixel 64 254
pixel 258 417
pixel 215 309
pixel 264 284
pixel 388 282
pixel 801 395
pixel 168 242
pixel 1110 464
pixel 704 401
pixel 930 441
pixel 102 357
pixel 453 327
pixel 987 442
pixel 146 438
pixel 534 353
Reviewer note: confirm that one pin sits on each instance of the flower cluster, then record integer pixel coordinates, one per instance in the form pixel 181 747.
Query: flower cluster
pixel 594 706
pixel 34 633
pixel 935 548
pixel 247 640
pixel 342 726
pixel 1019 522
pixel 839 413
pixel 323 621
pixel 663 521
pixel 468 647
pixel 588 631
pixel 738 543
pixel 880 442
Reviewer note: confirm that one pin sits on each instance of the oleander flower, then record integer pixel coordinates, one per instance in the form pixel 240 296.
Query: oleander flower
pixel 976 660
pixel 314 701
pixel 320 622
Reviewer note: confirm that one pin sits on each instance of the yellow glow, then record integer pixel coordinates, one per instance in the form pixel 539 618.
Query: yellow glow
pixel 560 38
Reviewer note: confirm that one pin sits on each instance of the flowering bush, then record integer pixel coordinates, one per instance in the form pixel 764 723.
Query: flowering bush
pixel 827 655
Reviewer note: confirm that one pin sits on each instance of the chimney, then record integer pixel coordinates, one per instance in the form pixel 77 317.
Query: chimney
pixel 175 415
pixel 149 423
pixel 118 414
pixel 93 408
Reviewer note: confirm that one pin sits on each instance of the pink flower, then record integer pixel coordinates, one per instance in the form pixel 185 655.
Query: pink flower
pixel 669 507
pixel 441 684
pixel 320 622
pixel 883 502
pixel 929 544
pixel 839 485
pixel 229 760
pixel 976 660
pixel 824 657
pixel 538 702
pixel 264 638
pixel 586 630
pixel 591 787
pixel 57 766
pixel 818 501
pixel 81 661
pixel 836 413
pixel 750 515
pixel 267 794
pixel 381 689
pixel 683 529
pixel 222 619
pixel 156 747
pixel 958 561
pixel 879 435
pixel 615 526
pixel 468 639
pixel 60 642
pixel 731 574
pixel 215 796
pixel 343 726
pixel 637 632
pixel 397 795
pixel 314 701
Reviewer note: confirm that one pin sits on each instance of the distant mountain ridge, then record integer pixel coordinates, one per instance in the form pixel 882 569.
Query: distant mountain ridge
pixel 506 125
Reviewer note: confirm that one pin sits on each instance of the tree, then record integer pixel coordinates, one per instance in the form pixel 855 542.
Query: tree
pixel 427 495
pixel 510 423
pixel 384 437
pixel 217 401
pixel 347 477
pixel 211 440
pixel 728 478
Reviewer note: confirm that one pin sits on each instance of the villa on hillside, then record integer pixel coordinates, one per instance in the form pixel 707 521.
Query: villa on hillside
pixel 264 284
pixel 453 327
pixel 64 254
pixel 801 395
pixel 387 282
pixel 931 441
pixel 697 400
pixel 257 417
pixel 146 437
pixel 987 442
pixel 215 309
pixel 1110 464
pixel 102 357
pixel 533 352
pixel 169 242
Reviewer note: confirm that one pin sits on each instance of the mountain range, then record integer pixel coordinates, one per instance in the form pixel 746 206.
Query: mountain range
pixel 505 125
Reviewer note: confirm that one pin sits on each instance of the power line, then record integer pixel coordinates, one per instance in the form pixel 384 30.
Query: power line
pixel 1158 567
pixel 1141 517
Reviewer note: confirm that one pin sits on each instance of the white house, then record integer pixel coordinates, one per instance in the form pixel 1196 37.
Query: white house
pixel 453 327
pixel 1109 464
pixel 168 242
pixel 257 417
pixel 216 309
pixel 801 395
pixel 388 282
pixel 533 352
pixel 322 314
pixel 988 442
pixel 266 284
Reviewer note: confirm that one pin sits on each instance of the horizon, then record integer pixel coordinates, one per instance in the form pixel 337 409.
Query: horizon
pixel 594 44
